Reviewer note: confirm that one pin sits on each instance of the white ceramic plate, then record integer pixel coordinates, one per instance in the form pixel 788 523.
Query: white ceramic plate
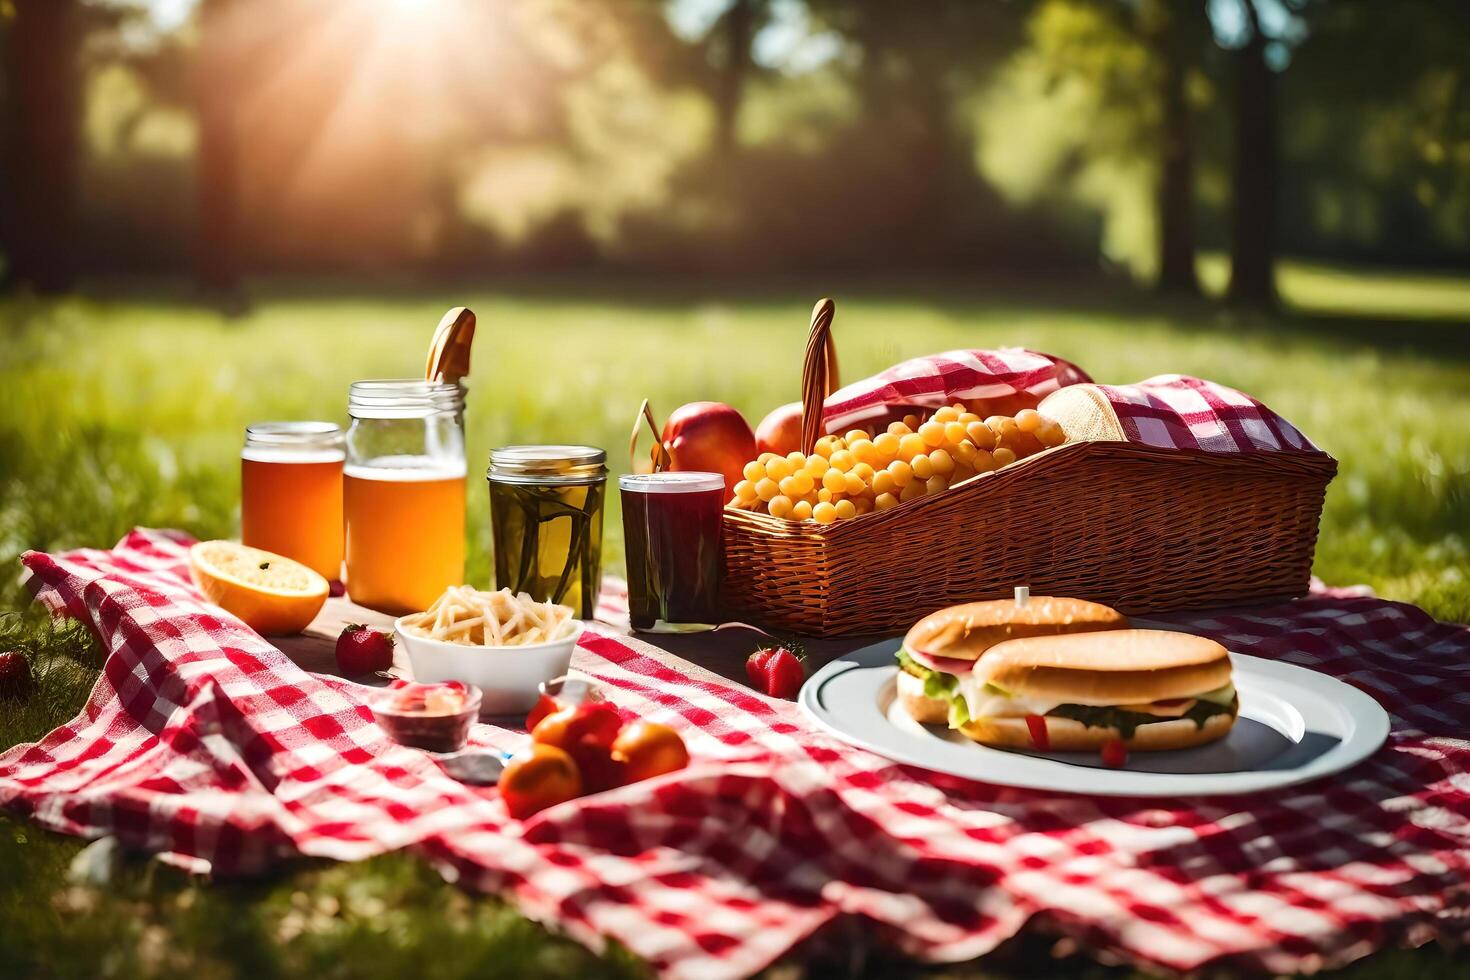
pixel 1295 725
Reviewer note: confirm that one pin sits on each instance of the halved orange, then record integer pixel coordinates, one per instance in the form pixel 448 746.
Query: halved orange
pixel 274 595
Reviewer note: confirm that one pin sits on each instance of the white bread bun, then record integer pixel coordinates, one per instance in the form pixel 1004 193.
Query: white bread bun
pixel 965 632
pixel 1108 668
pixel 924 709
pixel 1085 414
pixel 1070 735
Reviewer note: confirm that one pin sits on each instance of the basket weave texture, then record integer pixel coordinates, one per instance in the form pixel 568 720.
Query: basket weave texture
pixel 1139 528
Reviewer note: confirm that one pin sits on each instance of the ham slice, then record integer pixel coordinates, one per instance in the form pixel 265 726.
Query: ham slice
pixel 945 665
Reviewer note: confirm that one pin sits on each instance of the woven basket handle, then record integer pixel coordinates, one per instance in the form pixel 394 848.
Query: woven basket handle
pixel 818 374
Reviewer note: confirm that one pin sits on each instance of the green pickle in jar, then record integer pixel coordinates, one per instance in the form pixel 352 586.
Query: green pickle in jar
pixel 546 520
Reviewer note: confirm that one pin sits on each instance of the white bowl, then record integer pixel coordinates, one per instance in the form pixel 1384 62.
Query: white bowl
pixel 509 677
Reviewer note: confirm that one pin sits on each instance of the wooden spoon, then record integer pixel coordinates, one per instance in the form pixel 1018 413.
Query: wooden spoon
pixel 449 352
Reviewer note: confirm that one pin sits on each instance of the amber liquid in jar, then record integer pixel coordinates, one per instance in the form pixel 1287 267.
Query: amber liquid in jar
pixel 291 492
pixel 403 492
pixel 405 533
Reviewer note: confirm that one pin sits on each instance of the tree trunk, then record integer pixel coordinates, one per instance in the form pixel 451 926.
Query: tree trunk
pixel 1253 205
pixel 736 28
pixel 217 260
pixel 43 80
pixel 1175 201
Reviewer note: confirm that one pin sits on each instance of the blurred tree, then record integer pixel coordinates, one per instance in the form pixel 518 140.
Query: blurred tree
pixel 42 84
pixel 1253 168
pixel 579 131
pixel 1098 105
pixel 1377 156
pixel 1176 32
pixel 217 93
pixel 202 73
pixel 915 67
pixel 735 30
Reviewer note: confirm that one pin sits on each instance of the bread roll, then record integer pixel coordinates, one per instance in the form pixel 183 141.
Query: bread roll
pixel 965 632
pixel 1108 668
pixel 1085 414
pixel 924 709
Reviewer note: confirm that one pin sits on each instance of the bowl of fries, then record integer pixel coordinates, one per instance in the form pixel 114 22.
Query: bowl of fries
pixel 505 644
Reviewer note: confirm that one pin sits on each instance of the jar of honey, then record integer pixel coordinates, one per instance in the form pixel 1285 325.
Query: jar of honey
pixel 546 519
pixel 291 492
pixel 404 493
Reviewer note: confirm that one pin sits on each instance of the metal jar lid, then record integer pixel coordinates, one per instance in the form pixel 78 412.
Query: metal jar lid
pixel 684 481
pixel 547 465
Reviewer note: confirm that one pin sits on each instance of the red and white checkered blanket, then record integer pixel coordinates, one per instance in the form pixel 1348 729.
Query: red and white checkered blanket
pixel 1172 411
pixel 1175 411
pixel 937 380
pixel 203 742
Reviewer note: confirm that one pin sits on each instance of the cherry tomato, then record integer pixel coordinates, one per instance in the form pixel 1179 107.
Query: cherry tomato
pixel 537 778
pixel 1114 753
pixel 560 693
pixel 592 722
pixel 600 769
pixel 586 733
pixel 545 705
pixel 649 749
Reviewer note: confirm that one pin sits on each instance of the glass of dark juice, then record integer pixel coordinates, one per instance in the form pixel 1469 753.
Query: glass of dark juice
pixel 671 532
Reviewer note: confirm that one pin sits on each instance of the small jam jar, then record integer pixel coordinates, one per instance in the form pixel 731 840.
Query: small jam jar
pixel 434 717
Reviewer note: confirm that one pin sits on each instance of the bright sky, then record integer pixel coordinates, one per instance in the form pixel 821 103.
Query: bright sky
pixel 169 14
pixel 788 42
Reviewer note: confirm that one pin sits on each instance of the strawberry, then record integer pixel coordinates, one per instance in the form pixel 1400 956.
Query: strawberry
pixel 364 651
pixel 1114 753
pixel 776 671
pixel 15 675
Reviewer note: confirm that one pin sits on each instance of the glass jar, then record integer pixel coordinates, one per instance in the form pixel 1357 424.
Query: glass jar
pixel 404 493
pixel 671 534
pixel 546 518
pixel 291 492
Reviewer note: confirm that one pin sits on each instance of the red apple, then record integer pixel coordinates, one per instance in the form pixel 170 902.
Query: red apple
pixel 709 436
pixel 780 431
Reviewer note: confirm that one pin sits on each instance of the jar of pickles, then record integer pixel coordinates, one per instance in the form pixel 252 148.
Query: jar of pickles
pixel 546 518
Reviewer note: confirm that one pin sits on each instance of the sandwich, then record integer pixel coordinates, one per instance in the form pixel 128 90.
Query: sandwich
pixel 1146 689
pixel 941 651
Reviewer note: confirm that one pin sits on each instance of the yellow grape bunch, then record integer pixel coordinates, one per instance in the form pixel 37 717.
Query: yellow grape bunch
pixel 850 475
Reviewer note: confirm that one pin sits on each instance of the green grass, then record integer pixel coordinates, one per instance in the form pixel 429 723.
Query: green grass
pixel 1333 289
pixel 128 411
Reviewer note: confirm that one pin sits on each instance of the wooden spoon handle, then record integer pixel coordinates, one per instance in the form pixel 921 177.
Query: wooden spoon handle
pixel 449 352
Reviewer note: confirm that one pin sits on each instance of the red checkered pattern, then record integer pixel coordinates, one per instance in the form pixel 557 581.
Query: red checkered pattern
pixel 203 742
pixel 940 379
pixel 1175 411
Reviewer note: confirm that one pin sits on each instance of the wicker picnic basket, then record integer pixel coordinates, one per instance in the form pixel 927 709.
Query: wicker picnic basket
pixel 1139 528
